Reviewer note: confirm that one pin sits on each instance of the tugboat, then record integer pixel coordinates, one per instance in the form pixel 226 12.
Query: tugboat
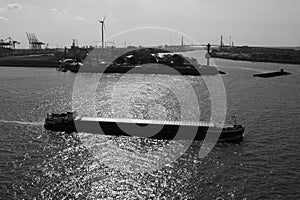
pixel 69 122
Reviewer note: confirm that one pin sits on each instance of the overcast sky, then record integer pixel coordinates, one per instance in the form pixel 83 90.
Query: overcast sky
pixel 247 22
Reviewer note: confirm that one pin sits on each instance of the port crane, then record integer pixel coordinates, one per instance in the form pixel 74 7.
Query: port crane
pixel 8 42
pixel 34 43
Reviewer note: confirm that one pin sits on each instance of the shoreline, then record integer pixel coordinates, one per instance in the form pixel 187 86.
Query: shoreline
pixel 232 58
pixel 29 61
pixel 30 64
pixel 43 64
pixel 258 54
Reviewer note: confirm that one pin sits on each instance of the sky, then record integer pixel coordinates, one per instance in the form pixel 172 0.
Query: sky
pixel 152 22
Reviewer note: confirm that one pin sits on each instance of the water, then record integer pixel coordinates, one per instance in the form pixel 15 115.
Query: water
pixel 41 164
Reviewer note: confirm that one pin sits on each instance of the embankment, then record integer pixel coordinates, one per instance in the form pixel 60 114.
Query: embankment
pixel 258 54
pixel 46 60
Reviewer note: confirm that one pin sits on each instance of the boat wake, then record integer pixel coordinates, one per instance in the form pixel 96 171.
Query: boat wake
pixel 248 69
pixel 23 123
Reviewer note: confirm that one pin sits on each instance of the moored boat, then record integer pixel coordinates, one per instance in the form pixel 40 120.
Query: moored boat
pixel 69 64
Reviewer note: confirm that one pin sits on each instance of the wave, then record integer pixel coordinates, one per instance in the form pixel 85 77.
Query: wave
pixel 248 69
pixel 23 123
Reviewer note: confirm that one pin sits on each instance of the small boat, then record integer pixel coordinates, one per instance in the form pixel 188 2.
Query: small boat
pixel 70 64
pixel 69 122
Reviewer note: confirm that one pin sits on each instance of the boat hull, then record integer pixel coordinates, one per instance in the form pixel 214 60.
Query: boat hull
pixel 154 131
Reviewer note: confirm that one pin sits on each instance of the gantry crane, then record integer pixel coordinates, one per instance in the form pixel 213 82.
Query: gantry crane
pixel 34 43
pixel 8 43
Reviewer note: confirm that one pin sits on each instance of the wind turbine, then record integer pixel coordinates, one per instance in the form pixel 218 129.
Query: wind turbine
pixel 102 22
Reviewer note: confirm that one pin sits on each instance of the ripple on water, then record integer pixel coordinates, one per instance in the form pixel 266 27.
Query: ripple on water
pixel 41 164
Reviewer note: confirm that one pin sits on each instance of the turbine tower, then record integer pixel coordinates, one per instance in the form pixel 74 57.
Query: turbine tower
pixel 102 22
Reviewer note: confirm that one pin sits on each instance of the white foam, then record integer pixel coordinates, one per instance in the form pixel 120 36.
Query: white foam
pixel 23 123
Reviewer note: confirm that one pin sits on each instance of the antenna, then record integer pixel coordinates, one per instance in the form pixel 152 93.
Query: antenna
pixel 182 40
pixel 207 54
pixel 221 43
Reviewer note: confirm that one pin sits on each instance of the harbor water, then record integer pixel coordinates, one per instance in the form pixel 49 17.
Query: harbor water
pixel 40 164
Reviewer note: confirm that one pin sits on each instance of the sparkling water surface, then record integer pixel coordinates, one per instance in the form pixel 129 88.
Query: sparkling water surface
pixel 40 164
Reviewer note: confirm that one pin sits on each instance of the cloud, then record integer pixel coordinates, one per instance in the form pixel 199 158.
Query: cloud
pixel 53 9
pixel 11 6
pixel 78 18
pixel 14 6
pixel 3 18
pixel 59 11
pixel 63 11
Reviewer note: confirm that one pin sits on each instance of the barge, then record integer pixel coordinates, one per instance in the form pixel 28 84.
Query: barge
pixel 166 130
